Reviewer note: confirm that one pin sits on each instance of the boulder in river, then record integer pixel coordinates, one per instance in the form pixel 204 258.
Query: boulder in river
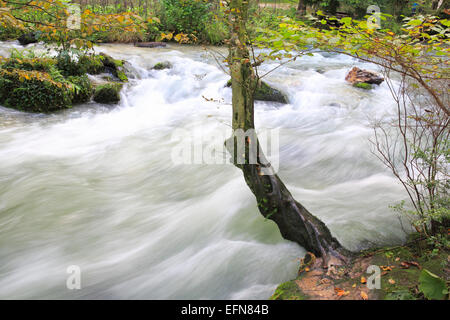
pixel 150 44
pixel 27 38
pixel 162 65
pixel 264 92
pixel 108 93
pixel 357 75
pixel 115 67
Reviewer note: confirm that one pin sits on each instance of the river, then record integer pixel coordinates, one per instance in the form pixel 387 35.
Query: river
pixel 95 186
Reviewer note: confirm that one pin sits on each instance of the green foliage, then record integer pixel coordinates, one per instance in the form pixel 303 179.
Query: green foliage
pixel 92 64
pixel 432 286
pixel 68 65
pixel 32 91
pixel 82 88
pixel 186 16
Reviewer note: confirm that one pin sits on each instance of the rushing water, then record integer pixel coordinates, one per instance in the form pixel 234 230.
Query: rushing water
pixel 95 186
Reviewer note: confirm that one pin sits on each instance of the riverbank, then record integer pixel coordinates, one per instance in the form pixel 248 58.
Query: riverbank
pixel 416 271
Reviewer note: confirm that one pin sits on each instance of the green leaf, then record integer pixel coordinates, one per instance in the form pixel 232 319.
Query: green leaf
pixel 346 20
pixel 432 286
pixel 415 22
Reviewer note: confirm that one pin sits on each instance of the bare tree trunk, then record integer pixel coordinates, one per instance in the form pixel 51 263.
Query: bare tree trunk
pixel 274 200
pixel 301 8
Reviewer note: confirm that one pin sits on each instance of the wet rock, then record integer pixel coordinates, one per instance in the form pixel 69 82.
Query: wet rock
pixel 264 92
pixel 150 44
pixel 27 38
pixel 162 65
pixel 357 75
pixel 108 93
pixel 362 85
pixel 115 67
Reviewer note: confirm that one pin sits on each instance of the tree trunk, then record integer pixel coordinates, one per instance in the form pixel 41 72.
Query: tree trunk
pixel 274 200
pixel 301 8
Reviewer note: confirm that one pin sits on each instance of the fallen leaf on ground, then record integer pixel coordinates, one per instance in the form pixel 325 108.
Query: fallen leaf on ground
pixel 364 295
pixel 363 280
pixel 340 292
pixel 391 281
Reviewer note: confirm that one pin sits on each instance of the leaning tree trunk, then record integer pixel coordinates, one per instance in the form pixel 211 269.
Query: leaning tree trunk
pixel 274 200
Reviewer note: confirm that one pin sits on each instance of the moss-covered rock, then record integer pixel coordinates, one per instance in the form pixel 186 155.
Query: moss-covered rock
pixel 82 89
pixel 27 38
pixel 264 92
pixel 108 93
pixel 288 291
pixel 162 65
pixel 92 64
pixel 362 85
pixel 115 67
pixel 33 91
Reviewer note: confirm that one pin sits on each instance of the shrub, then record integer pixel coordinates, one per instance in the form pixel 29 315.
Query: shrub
pixel 69 66
pixel 186 16
pixel 82 88
pixel 27 64
pixel 33 91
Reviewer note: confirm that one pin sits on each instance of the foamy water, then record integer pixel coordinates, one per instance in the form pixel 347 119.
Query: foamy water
pixel 95 186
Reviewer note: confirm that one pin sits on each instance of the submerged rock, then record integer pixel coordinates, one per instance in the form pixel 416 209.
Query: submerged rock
pixel 108 93
pixel 150 44
pixel 162 65
pixel 362 85
pixel 264 92
pixel 357 75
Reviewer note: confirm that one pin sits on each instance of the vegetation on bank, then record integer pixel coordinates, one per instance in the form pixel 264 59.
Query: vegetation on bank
pixel 41 84
pixel 416 271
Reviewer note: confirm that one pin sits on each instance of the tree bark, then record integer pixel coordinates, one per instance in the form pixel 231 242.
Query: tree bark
pixel 301 8
pixel 274 200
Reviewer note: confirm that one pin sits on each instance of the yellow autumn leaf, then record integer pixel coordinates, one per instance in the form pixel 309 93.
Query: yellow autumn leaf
pixel 364 295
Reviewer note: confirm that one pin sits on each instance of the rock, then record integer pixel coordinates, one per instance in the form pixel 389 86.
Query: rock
pixel 264 92
pixel 28 38
pixel 108 93
pixel 33 91
pixel 150 44
pixel 357 75
pixel 84 89
pixel 115 67
pixel 362 85
pixel 162 65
